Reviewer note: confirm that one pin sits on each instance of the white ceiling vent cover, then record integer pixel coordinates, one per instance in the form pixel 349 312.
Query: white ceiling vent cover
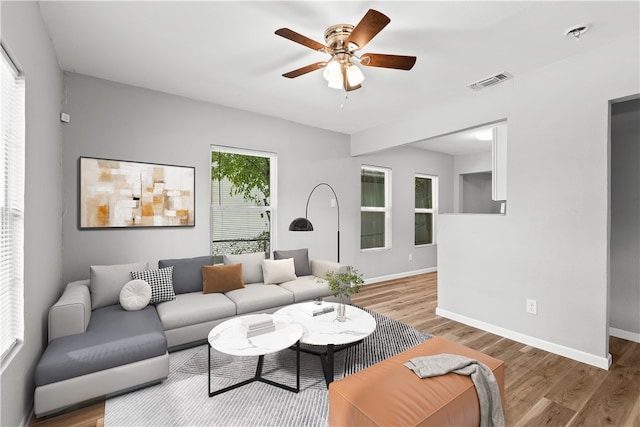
pixel 490 81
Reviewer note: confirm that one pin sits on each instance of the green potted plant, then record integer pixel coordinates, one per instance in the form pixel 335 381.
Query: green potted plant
pixel 342 284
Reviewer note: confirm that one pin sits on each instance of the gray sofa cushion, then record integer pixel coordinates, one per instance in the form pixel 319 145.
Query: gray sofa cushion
pixel 187 273
pixel 106 281
pixel 258 296
pixel 114 337
pixel 194 308
pixel 306 288
pixel 300 260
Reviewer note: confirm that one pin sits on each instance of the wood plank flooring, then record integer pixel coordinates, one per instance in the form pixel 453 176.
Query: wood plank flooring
pixel 542 389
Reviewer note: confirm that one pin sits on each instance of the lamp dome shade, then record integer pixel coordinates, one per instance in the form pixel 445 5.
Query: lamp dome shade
pixel 301 224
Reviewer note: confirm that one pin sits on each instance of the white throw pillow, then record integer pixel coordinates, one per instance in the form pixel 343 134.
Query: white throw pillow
pixel 278 271
pixel 135 295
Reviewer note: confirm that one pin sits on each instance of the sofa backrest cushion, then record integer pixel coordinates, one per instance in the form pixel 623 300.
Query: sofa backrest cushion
pixel 300 260
pixel 106 281
pixel 187 272
pixel 221 278
pixel 251 265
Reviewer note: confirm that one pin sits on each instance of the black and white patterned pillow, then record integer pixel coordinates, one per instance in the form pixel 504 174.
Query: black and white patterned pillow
pixel 161 282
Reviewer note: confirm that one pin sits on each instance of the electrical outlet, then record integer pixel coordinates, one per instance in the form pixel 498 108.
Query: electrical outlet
pixel 410 257
pixel 532 306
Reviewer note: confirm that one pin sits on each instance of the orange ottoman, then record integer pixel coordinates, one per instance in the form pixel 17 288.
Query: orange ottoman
pixel 390 394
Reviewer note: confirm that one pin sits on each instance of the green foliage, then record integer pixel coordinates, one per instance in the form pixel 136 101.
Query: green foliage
pixel 248 174
pixel 344 283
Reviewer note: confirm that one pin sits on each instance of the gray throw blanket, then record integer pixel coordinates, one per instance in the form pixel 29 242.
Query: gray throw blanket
pixel 486 385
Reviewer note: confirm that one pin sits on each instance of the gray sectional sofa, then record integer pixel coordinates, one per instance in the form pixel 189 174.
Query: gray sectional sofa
pixel 97 348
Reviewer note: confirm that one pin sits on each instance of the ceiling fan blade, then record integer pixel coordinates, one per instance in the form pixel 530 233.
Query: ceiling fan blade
pixel 304 70
pixel 371 24
pixel 399 62
pixel 299 38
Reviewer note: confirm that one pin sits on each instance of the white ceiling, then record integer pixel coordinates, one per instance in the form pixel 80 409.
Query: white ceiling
pixel 227 52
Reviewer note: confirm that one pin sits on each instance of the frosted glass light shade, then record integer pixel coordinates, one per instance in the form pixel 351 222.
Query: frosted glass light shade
pixel 354 75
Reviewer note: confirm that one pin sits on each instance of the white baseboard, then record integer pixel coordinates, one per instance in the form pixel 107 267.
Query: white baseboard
pixel 625 335
pixel 399 275
pixel 580 356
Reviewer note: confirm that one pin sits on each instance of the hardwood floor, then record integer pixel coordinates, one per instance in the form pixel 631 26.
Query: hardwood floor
pixel 542 389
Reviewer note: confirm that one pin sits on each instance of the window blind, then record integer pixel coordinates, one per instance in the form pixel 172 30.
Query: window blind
pixel 12 127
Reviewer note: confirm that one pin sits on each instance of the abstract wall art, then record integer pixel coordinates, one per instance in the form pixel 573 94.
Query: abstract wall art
pixel 124 194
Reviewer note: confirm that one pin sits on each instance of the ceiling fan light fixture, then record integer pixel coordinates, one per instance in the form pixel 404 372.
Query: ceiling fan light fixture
pixel 332 71
pixel 343 40
pixel 354 75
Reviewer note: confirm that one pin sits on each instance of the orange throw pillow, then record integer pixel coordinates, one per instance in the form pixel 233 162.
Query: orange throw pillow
pixel 221 278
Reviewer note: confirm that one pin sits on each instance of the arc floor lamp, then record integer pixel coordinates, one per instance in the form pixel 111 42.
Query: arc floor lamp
pixel 303 224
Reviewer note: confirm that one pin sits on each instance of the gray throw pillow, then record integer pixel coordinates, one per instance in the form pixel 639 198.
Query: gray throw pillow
pixel 106 282
pixel 187 272
pixel 300 260
pixel 251 265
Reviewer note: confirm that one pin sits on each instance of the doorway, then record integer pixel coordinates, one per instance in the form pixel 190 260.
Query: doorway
pixel 624 204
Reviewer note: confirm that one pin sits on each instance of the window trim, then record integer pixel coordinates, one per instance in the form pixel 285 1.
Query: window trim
pixel 433 210
pixel 387 209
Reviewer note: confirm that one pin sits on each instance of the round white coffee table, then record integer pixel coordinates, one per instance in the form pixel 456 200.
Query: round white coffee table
pixel 230 337
pixel 325 330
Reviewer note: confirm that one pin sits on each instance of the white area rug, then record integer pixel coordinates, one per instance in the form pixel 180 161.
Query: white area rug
pixel 183 400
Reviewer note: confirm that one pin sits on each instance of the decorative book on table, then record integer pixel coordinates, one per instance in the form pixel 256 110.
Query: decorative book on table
pixel 258 324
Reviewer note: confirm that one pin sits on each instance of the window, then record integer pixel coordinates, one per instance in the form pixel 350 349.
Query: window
pixel 375 208
pixel 242 201
pixel 425 204
pixel 12 125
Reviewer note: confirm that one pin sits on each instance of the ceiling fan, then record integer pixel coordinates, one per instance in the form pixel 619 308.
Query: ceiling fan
pixel 343 40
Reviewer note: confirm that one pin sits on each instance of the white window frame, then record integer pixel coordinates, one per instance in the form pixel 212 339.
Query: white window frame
pixel 433 210
pixel 386 209
pixel 273 193
pixel 12 169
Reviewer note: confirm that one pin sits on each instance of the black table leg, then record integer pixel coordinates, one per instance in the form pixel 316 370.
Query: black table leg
pixel 258 376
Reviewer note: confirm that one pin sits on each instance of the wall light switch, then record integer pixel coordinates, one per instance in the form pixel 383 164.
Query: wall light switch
pixel 333 203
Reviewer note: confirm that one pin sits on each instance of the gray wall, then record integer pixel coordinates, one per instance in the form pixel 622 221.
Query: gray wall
pixel 476 193
pixel 404 163
pixel 116 121
pixel 625 217
pixel 24 35
pixel 464 164
pixel 552 245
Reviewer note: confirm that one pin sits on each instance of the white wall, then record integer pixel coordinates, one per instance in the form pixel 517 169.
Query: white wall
pixel 24 35
pixel 553 243
pixel 625 219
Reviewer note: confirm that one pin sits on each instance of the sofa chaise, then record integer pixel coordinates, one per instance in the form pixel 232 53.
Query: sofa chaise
pixel 98 348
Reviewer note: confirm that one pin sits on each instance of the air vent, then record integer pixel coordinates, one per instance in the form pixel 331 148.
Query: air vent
pixel 490 81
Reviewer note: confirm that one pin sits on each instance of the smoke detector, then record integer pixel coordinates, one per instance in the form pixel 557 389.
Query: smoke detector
pixel 576 31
